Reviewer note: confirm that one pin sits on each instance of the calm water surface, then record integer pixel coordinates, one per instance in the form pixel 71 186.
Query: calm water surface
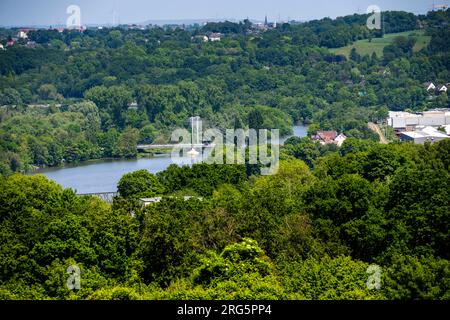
pixel 103 175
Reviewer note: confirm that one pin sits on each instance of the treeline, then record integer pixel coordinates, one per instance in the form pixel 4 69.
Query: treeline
pixel 345 30
pixel 327 32
pixel 228 27
pixel 149 82
pixel 43 136
pixel 300 234
pixel 51 136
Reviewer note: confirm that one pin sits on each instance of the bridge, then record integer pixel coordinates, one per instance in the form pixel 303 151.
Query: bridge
pixel 142 147
pixel 196 139
pixel 105 196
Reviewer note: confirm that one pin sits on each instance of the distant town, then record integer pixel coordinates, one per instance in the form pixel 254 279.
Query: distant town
pixel 19 35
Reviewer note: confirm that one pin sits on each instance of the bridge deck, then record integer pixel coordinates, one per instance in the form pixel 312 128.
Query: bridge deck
pixel 170 146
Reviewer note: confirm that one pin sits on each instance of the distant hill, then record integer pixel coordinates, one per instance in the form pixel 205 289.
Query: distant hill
pixel 364 47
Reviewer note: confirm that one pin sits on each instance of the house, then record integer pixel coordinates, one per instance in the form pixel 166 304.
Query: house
pixel 259 27
pixel 133 105
pixel 429 86
pixel 442 88
pixel 215 36
pixel 2 47
pixel 10 43
pixel 339 140
pixel 329 137
pixel 325 137
pixel 200 38
pixel 22 34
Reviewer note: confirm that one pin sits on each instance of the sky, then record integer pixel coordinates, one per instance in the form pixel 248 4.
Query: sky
pixel 53 12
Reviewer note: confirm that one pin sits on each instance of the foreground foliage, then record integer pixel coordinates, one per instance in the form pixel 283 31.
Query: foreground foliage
pixel 300 234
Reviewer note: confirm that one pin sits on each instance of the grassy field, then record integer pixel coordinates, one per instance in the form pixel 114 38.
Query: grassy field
pixel 364 47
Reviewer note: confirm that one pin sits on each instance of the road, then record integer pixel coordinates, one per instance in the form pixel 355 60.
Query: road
pixel 372 126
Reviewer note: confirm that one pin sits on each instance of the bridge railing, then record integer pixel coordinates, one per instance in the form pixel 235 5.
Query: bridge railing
pixel 170 146
pixel 105 196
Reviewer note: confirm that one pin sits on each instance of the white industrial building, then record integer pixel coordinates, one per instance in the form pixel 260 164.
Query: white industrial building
pixel 406 121
pixel 420 127
pixel 422 135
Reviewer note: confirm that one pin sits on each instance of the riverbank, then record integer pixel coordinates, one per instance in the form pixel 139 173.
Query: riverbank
pixel 37 169
pixel 102 175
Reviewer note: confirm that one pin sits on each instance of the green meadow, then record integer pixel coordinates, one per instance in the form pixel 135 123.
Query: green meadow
pixel 364 47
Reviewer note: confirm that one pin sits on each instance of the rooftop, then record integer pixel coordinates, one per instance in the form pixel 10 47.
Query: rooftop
pixel 426 132
pixel 402 114
pixel 327 135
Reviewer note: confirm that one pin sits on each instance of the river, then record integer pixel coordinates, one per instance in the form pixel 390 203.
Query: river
pixel 103 175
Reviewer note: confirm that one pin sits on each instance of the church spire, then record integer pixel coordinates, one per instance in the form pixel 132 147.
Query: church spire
pixel 265 21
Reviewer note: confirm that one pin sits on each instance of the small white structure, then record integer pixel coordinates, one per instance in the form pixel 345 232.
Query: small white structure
pixel 422 135
pixel 196 128
pixel 200 38
pixel 147 201
pixel 193 153
pixel 429 86
pixel 215 37
pixel 339 140
pixel 133 105
pixel 329 137
pixel 442 88
pixel 2 47
pixel 22 34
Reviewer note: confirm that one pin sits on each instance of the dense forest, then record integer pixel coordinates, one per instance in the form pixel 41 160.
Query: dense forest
pixel 328 222
pixel 96 94
pixel 299 234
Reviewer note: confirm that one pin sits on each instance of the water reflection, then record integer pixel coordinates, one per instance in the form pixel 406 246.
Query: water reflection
pixel 103 175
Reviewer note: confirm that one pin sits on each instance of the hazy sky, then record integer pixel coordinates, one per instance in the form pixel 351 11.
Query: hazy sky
pixel 52 12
